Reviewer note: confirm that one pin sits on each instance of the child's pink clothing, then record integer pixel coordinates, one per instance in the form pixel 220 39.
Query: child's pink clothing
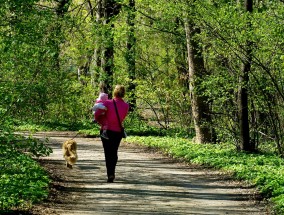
pixel 102 118
pixel 102 97
pixel 110 114
pixel 99 106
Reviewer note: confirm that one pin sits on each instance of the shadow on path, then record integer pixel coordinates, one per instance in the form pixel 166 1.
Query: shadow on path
pixel 145 184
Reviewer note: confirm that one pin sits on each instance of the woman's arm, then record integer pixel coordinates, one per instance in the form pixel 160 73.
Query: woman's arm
pixel 98 115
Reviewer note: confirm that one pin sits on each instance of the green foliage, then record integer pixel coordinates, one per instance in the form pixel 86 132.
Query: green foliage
pixel 136 126
pixel 55 125
pixel 279 202
pixel 50 71
pixel 94 132
pixel 41 54
pixel 22 180
pixel 31 146
pixel 265 171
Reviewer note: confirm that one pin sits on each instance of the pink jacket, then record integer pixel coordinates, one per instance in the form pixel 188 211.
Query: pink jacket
pixel 110 114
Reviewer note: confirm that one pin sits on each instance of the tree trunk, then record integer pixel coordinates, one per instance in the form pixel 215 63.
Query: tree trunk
pixel 200 108
pixel 60 9
pixel 245 143
pixel 130 54
pixel 90 8
pixel 110 9
pixel 98 48
pixel 180 61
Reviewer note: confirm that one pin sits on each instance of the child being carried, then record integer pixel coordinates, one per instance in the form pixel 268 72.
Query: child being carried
pixel 99 105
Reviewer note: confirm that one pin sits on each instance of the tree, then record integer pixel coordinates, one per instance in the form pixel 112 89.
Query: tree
pixel 130 54
pixel 110 9
pixel 245 143
pixel 61 9
pixel 98 49
pixel 197 72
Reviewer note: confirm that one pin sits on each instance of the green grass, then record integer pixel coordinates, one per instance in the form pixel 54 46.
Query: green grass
pixel 264 171
pixel 52 126
pixel 22 180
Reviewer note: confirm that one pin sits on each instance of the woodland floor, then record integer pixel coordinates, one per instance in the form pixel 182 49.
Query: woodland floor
pixel 146 183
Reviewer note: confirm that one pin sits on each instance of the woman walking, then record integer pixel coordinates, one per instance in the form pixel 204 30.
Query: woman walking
pixel 114 115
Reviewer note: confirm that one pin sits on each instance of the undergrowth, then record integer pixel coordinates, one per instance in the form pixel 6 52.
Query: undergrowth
pixel 22 180
pixel 51 126
pixel 264 171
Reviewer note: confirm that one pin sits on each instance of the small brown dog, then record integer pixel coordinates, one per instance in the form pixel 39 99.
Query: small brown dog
pixel 70 152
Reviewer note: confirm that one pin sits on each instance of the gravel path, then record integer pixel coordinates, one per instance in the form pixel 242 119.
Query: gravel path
pixel 146 183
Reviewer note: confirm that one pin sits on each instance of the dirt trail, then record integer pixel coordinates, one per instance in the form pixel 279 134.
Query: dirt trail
pixel 146 183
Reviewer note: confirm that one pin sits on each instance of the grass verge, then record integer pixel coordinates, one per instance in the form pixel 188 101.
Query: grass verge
pixel 22 180
pixel 264 171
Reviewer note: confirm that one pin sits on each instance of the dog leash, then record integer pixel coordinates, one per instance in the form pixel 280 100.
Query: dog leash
pixel 75 136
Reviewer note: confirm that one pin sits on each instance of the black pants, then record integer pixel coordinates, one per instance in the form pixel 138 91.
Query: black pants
pixel 110 149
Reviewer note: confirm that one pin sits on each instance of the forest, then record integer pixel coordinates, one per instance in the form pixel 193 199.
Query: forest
pixel 208 71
